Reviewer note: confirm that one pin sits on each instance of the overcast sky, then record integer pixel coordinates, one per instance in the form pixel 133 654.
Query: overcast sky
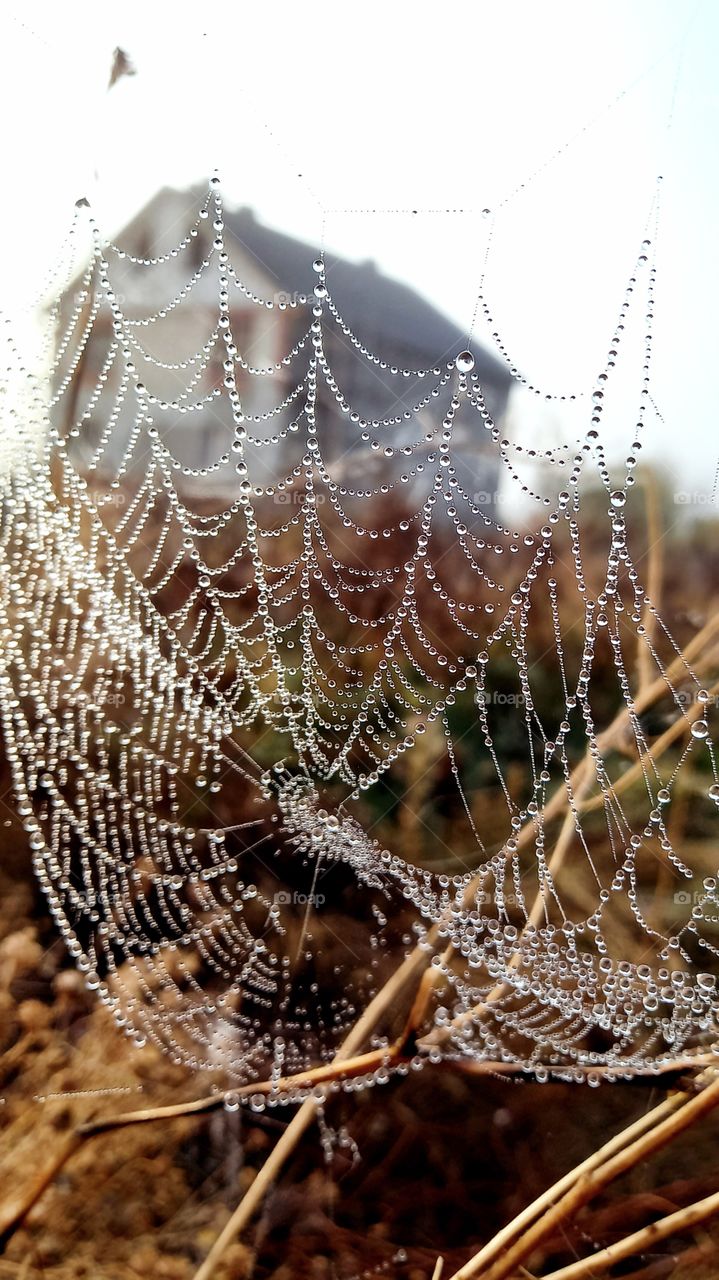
pixel 313 112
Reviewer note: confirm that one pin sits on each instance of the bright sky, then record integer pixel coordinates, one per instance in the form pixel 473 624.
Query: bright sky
pixel 406 106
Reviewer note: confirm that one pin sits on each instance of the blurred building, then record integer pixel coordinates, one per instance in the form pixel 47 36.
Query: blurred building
pixel 392 321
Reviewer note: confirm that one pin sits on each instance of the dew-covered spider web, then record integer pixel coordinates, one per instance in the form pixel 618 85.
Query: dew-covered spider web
pixel 220 675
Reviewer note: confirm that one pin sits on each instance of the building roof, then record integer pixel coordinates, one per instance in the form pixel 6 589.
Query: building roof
pixel 368 301
pixel 373 305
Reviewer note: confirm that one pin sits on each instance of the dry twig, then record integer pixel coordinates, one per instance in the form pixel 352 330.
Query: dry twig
pixel 561 1205
pixel 673 1224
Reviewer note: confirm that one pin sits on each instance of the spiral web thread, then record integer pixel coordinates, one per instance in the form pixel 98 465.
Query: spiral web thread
pixel 180 640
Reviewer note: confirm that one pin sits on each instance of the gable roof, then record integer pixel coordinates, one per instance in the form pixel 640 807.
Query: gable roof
pixel 368 301
pixel 375 306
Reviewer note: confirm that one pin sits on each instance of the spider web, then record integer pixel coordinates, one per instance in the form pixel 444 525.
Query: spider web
pixel 279 631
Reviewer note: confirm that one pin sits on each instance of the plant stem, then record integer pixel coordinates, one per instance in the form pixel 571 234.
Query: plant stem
pixel 674 1223
pixel 562 1204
